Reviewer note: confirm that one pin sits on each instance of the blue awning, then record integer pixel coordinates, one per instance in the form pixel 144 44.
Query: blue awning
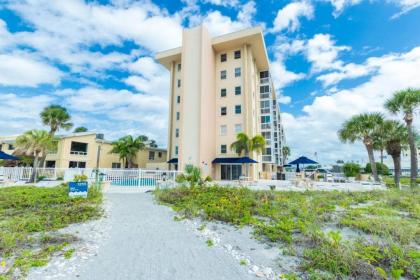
pixel 303 160
pixel 5 156
pixel 234 160
pixel 173 160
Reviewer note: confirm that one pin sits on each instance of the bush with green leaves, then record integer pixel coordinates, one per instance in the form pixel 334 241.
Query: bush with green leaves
pixel 80 178
pixel 380 167
pixel 351 169
pixel 192 176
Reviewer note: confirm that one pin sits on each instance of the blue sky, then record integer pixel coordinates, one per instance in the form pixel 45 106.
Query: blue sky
pixel 330 59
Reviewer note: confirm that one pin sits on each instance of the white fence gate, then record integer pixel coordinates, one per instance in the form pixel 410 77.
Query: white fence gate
pixel 115 177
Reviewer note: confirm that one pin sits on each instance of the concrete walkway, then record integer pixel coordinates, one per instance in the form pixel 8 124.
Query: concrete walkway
pixel 146 243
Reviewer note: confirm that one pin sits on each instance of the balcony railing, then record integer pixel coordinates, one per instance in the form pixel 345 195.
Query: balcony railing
pixel 264 80
pixel 265 126
pixel 79 153
pixel 265 95
pixel 265 111
pixel 266 158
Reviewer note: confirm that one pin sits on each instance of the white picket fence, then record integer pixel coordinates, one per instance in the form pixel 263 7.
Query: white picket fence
pixel 115 177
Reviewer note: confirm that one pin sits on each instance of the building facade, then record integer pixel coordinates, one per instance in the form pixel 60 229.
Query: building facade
pixel 90 150
pixel 219 87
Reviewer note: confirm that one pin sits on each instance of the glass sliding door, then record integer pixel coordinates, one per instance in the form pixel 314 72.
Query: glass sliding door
pixel 230 171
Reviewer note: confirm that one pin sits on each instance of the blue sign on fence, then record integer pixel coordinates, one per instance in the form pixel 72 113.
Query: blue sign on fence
pixel 78 189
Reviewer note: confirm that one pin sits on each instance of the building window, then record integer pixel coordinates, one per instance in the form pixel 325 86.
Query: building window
pixel 178 99
pixel 160 154
pixel 176 150
pixel 238 128
pixel 11 147
pixel 223 149
pixel 179 83
pixel 223 130
pixel 116 165
pixel 78 148
pixel 223 75
pixel 263 74
pixel 50 164
pixel 237 109
pixel 223 92
pixel 177 116
pixel 77 164
pixel 223 57
pixel 177 132
pixel 223 111
pixel 179 67
pixel 265 119
pixel 230 171
pixel 238 90
pixel 237 54
pixel 238 72
pixel 264 89
pixel 151 155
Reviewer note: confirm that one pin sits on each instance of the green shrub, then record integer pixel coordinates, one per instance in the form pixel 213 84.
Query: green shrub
pixel 40 178
pixel 380 167
pixel 80 178
pixel 351 169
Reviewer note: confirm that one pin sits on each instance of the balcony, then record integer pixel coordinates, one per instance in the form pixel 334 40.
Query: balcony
pixel 264 80
pixel 265 95
pixel 266 126
pixel 79 153
pixel 265 111
pixel 266 158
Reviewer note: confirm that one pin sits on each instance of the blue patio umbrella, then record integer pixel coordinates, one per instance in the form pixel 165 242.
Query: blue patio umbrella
pixel 5 156
pixel 302 160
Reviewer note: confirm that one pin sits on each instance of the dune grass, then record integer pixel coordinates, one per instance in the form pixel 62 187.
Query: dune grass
pixel 387 224
pixel 29 217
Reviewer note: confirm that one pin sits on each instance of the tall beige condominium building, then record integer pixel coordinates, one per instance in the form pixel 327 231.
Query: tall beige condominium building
pixel 219 87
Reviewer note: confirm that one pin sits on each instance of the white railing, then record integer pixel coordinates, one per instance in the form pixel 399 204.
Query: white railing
pixel 116 177
pixel 264 80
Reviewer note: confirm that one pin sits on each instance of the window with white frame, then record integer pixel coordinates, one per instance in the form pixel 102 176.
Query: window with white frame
pixel 223 130
pixel 238 72
pixel 238 128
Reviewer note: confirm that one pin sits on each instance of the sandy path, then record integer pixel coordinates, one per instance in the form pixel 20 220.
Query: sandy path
pixel 145 242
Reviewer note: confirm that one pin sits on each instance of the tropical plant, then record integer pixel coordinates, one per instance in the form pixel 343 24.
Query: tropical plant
pixel 406 101
pixel 396 141
pixel 56 117
pixel 153 144
pixel 245 145
pixel 35 143
pixel 351 169
pixel 363 128
pixel 381 168
pixel 127 148
pixel 285 152
pixel 80 129
pixel 193 176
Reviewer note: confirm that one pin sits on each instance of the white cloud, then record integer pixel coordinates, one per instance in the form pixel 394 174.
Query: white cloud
pixel 340 5
pixel 20 69
pixel 130 112
pixel 20 112
pixel 348 71
pixel 225 3
pixel 405 5
pixel 316 129
pixel 322 52
pixel 288 16
pixel 281 76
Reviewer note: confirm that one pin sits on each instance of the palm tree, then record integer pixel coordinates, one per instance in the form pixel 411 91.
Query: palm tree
pixel 396 138
pixel 363 127
pixel 80 129
pixel 244 144
pixel 193 176
pixel 35 143
pixel 285 152
pixel 56 117
pixel 406 101
pixel 127 148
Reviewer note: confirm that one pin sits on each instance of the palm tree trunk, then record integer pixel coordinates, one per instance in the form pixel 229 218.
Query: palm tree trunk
pixel 32 179
pixel 396 158
pixel 372 162
pixel 382 156
pixel 413 154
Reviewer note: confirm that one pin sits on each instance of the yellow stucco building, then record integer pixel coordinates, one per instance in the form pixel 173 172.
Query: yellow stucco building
pixel 89 150
pixel 219 87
